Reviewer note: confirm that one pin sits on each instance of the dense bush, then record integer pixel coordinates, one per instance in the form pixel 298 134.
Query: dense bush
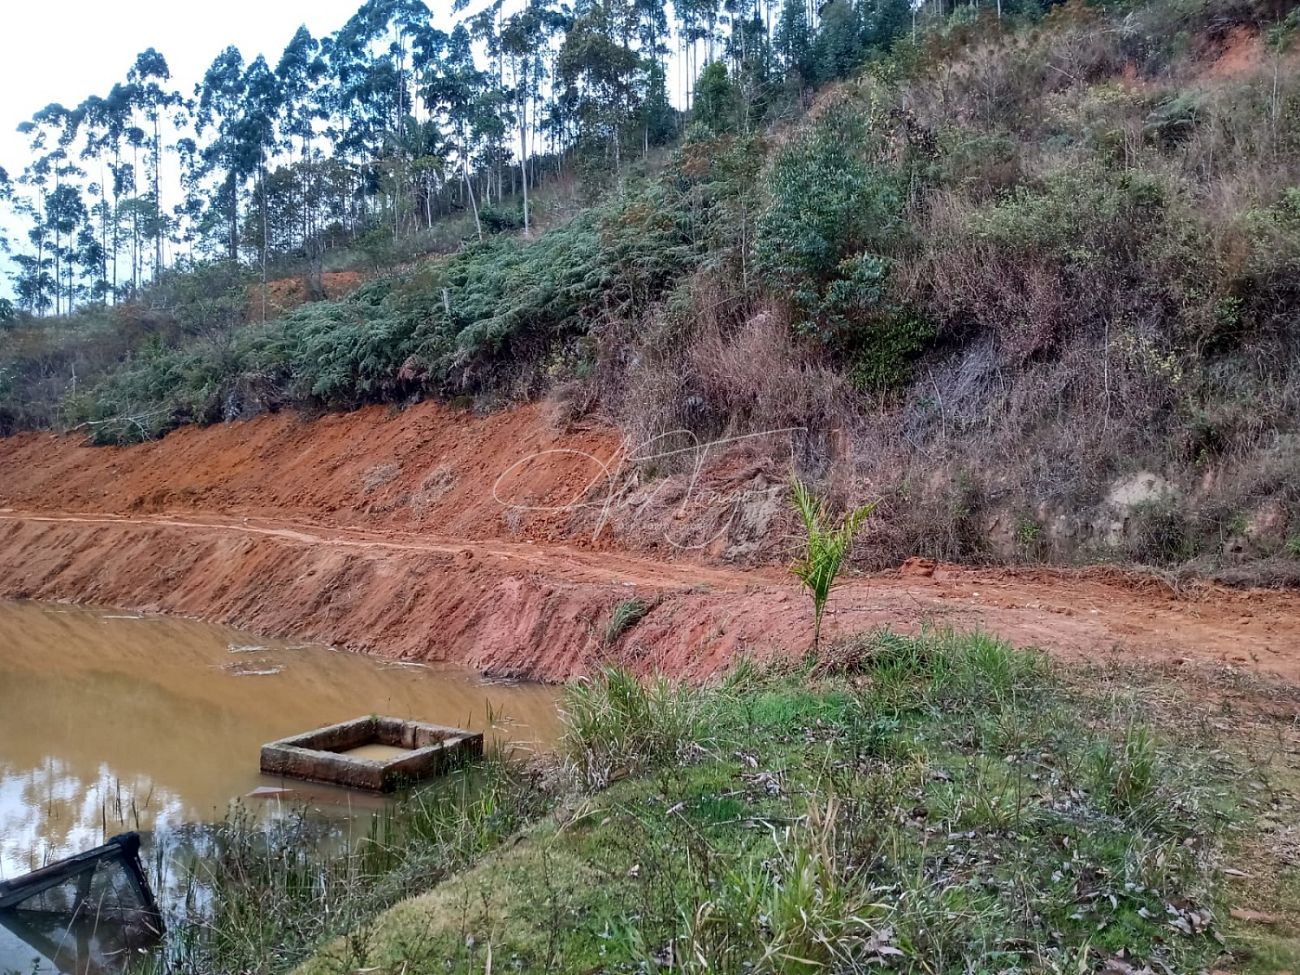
pixel 831 214
pixel 1083 250
pixel 823 245
pixel 457 325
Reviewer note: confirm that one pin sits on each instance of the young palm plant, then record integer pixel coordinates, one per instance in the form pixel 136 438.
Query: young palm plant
pixel 826 546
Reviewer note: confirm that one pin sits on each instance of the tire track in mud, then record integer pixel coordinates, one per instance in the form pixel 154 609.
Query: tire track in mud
pixel 539 610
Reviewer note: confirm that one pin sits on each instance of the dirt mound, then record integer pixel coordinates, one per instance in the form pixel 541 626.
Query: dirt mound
pixel 1244 52
pixel 288 293
pixel 426 468
pixel 515 474
pixel 506 543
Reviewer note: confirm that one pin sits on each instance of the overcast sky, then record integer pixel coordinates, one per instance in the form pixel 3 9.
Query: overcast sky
pixel 64 50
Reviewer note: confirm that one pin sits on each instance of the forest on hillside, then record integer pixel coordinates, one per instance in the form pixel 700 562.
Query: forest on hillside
pixel 1027 272
pixel 391 124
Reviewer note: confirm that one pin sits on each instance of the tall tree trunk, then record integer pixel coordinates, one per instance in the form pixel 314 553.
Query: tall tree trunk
pixel 523 152
pixel 157 199
pixel 103 224
pixel 233 217
pixel 469 188
pixel 261 179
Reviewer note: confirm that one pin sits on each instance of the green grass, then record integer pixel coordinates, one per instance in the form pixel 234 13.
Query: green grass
pixel 262 897
pixel 932 803
pixel 940 803
pixel 618 726
pixel 623 617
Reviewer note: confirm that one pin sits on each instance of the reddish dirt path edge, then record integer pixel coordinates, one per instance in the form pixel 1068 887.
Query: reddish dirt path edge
pixel 540 611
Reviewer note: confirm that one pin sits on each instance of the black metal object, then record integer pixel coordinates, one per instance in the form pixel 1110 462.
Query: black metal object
pixel 122 851
pixel 78 914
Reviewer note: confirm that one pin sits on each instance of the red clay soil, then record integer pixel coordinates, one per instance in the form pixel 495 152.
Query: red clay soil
pixel 287 294
pixel 383 532
pixel 1242 53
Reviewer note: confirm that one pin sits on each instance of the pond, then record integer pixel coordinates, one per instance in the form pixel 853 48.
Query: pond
pixel 116 721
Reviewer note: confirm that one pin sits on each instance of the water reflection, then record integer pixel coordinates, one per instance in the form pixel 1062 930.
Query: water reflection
pixel 111 722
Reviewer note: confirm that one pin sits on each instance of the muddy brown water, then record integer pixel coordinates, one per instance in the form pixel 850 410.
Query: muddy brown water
pixel 113 721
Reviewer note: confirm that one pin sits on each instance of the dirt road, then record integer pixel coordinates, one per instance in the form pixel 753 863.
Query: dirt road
pixel 541 609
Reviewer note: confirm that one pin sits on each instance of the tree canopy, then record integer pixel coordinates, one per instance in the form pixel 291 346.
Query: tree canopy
pixel 390 124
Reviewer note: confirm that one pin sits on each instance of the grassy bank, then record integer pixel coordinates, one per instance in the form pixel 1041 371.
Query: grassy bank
pixel 931 804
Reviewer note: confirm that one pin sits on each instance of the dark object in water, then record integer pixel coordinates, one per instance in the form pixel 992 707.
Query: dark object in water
pixel 87 913
pixel 407 751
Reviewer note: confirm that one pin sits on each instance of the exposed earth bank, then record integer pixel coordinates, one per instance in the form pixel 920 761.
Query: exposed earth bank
pixel 506 543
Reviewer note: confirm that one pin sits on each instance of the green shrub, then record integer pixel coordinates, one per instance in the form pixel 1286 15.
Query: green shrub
pixel 883 356
pixel 497 219
pixel 831 214
pixel 826 546
pixel 715 106
pixel 1125 775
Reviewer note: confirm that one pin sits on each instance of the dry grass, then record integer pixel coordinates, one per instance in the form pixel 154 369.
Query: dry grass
pixel 1096 237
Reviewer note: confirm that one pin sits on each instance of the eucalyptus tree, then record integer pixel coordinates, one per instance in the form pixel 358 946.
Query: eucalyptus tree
pixel 652 29
pixel 365 99
pixel 136 207
pixel 6 196
pixel 888 20
pixel 696 21
pixel 299 71
pixel 50 132
pixel 749 52
pixel 375 59
pixel 454 94
pixel 221 96
pixel 90 118
pixel 34 284
pixel 65 216
pixel 597 64
pixel 105 121
pixel 486 28
pixel 147 78
pixel 257 137
pixel 7 310
pixel 525 37
pixel 839 46
pixel 794 43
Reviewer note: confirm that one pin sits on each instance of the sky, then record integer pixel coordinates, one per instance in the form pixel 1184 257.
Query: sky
pixel 64 50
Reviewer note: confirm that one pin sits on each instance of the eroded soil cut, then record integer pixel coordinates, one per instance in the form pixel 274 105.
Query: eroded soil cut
pixel 507 543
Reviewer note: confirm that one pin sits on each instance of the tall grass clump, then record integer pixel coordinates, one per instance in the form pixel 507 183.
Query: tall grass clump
pixel 623 617
pixel 259 897
pixel 616 725
pixel 944 669
pixel 1126 772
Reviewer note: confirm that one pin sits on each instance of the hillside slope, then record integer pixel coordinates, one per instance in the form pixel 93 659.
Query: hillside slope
pixel 1030 282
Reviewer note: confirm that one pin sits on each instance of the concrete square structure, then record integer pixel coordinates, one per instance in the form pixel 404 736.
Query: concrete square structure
pixel 415 751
